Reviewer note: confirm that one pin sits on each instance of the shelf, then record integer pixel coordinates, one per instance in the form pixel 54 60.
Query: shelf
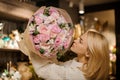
pixel 8 49
pixel 16 10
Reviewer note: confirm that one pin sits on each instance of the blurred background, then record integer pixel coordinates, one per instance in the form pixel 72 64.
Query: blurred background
pixel 102 15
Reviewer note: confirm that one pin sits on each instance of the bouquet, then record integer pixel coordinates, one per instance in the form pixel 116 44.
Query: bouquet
pixel 49 32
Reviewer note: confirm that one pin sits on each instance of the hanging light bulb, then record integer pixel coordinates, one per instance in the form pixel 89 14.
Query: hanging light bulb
pixel 81 7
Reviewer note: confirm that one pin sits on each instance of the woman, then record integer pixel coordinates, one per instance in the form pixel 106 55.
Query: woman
pixel 92 62
pixel 92 50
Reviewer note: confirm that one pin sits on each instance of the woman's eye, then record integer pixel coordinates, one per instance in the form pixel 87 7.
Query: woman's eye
pixel 80 40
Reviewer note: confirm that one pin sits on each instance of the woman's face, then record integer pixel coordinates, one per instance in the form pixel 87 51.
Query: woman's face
pixel 80 45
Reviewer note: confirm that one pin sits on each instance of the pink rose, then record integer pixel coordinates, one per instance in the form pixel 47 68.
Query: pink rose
pixel 38 20
pixel 52 34
pixel 62 34
pixel 43 29
pixel 44 37
pixel 66 45
pixel 55 28
pixel 37 47
pixel 36 39
pixel 67 42
pixel 52 10
pixel 58 41
pixel 45 46
pixel 55 15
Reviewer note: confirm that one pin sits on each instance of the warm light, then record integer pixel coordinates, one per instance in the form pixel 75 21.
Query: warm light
pixel 96 19
pixel 1 26
pixel 77 31
pixel 71 4
pixel 81 7
pixel 81 11
pixel 111 48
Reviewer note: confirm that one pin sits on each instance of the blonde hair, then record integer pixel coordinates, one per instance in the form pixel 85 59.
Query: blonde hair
pixel 98 63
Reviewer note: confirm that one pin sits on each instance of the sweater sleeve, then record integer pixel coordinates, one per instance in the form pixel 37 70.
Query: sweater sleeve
pixel 48 70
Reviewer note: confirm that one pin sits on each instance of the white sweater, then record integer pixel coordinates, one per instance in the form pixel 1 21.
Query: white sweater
pixel 50 71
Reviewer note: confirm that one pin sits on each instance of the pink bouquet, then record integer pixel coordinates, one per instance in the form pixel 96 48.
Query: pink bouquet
pixel 49 32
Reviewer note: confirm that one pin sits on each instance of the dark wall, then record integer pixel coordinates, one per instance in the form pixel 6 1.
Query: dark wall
pixel 54 3
pixel 101 7
pixel 117 18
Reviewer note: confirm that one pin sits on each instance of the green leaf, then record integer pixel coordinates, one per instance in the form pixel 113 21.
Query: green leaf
pixel 42 51
pixel 70 25
pixel 32 23
pixel 6 72
pixel 52 49
pixel 47 41
pixel 35 33
pixel 62 25
pixel 63 47
pixel 58 55
pixel 46 12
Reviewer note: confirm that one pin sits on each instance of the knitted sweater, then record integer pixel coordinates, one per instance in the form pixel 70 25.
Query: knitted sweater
pixel 49 70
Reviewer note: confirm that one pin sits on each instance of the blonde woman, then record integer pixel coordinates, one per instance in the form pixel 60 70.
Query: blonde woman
pixel 93 52
pixel 91 63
